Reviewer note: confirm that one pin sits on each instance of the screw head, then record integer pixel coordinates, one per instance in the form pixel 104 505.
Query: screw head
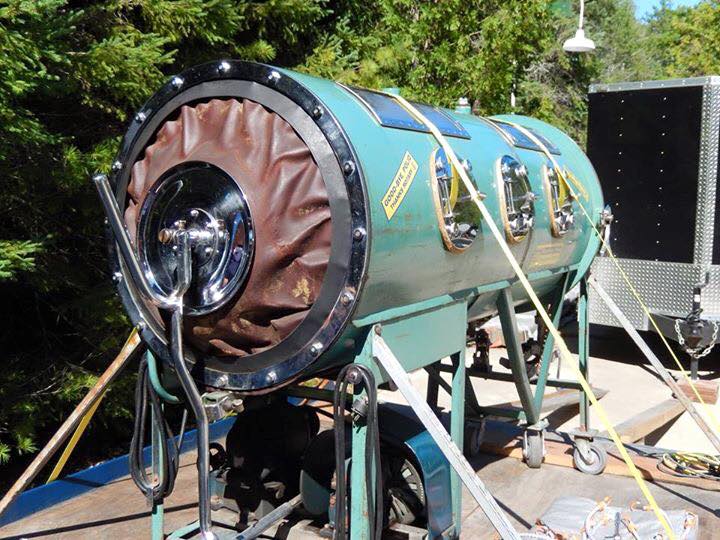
pixel 315 348
pixel 141 325
pixel 271 377
pixel 117 277
pixel 348 168
pixel 140 117
pixel 222 381
pixel 353 375
pixel 346 298
pixel 177 82
pixel 224 66
pixel 194 213
pixel 116 166
pixel 274 76
pixel 359 233
pixel 317 112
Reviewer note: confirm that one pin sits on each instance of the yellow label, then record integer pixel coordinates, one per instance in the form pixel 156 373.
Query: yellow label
pixel 400 185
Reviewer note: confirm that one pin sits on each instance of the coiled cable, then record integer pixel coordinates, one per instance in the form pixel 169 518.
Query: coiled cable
pixel 145 395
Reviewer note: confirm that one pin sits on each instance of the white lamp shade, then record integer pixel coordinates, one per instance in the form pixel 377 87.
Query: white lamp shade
pixel 579 43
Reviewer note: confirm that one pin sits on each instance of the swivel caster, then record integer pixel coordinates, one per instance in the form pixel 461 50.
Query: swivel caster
pixel 534 448
pixel 589 457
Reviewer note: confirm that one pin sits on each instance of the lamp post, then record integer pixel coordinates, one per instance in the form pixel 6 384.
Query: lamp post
pixel 579 43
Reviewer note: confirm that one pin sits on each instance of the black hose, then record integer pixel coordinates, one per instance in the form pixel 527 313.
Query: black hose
pixel 372 450
pixel 169 450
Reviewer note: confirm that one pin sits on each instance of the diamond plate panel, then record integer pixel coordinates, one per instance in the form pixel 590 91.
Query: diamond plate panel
pixel 711 295
pixel 665 287
pixel 707 175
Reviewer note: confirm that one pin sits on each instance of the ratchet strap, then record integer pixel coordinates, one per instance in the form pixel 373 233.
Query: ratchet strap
pixel 616 262
pixel 559 341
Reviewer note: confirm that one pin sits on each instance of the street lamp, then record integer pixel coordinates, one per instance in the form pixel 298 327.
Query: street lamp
pixel 579 43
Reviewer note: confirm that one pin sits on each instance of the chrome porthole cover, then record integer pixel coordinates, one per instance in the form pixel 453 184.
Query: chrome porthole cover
pixel 516 198
pixel 458 215
pixel 562 215
pixel 207 202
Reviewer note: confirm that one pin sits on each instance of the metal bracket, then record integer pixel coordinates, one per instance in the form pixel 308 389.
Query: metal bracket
pixel 390 364
pixel 220 403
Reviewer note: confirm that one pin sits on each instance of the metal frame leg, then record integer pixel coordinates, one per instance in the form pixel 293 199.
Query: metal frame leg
pixel 584 352
pixel 549 345
pixel 360 527
pixel 457 431
pixel 515 354
pixel 433 386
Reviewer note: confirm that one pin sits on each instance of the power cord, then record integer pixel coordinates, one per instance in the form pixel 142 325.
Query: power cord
pixel 169 450
pixel 691 465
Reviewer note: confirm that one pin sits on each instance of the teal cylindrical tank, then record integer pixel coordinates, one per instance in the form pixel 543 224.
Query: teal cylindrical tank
pixel 408 262
pixel 398 231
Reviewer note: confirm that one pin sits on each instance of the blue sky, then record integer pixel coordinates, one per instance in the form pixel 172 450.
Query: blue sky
pixel 645 7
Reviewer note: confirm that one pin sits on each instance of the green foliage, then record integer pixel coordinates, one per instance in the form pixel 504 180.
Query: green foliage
pixel 436 51
pixel 72 73
pixel 685 40
pixel 16 257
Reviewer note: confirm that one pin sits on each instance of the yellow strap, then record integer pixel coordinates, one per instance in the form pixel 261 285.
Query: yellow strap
pixel 633 290
pixel 79 430
pixel 559 341
pixel 84 421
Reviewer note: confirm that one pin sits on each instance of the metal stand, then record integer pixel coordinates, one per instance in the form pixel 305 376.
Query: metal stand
pixel 532 402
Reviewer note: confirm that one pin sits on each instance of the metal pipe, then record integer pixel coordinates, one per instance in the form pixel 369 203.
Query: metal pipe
pixel 174 304
pixel 261 525
pixel 184 276
pixel 122 238
pixel 203 430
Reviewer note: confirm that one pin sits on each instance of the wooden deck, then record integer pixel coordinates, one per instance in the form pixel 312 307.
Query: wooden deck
pixel 118 511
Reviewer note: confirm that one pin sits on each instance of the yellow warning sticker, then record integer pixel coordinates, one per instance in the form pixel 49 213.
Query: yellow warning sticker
pixel 400 185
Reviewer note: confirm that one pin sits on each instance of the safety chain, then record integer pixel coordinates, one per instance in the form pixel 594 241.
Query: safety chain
pixel 699 352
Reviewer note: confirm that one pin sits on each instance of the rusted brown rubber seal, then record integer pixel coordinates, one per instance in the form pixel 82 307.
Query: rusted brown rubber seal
pixel 289 204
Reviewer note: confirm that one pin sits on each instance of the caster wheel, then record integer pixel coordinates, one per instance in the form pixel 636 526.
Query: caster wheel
pixel 474 437
pixel 534 450
pixel 594 460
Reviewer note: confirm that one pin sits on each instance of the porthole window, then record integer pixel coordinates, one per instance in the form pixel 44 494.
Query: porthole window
pixel 458 215
pixel 560 207
pixel 517 201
